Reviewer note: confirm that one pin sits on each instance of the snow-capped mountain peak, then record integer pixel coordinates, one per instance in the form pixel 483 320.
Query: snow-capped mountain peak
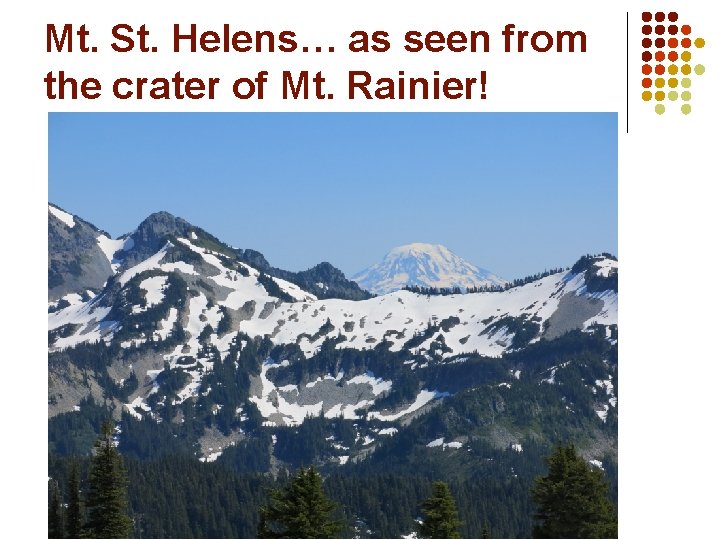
pixel 423 265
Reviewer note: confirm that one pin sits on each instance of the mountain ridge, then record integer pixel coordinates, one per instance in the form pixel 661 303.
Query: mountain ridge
pixel 187 334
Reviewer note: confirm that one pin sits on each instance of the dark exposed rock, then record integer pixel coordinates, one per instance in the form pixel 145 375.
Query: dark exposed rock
pixel 75 261
pixel 152 234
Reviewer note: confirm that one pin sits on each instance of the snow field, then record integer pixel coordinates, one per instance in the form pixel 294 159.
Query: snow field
pixel 63 216
pixel 422 399
pixel 440 443
pixel 154 288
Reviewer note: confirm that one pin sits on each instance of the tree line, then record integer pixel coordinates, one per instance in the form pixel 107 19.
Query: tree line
pixel 571 501
pixel 447 291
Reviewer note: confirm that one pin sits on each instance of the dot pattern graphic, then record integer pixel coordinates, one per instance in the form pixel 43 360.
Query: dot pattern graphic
pixel 669 49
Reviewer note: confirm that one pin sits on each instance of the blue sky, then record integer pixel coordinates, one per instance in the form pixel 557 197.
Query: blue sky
pixel 513 193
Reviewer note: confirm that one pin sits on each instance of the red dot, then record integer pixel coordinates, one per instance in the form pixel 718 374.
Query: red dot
pixel 672 56
pixel 647 83
pixel 659 69
pixel 659 56
pixel 685 43
pixel 647 43
pixel 646 69
pixel 660 29
pixel 646 16
pixel 672 16
pixel 646 56
pixel 647 29
pixel 673 29
pixel 659 16
pixel 685 29
pixel 672 43
pixel 659 43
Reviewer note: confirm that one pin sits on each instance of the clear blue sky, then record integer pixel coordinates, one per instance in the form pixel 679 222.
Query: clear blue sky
pixel 513 193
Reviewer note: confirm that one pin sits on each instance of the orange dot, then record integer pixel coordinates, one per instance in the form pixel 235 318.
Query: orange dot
pixel 672 43
pixel 647 83
pixel 699 43
pixel 660 82
pixel 672 83
pixel 673 56
pixel 646 69
pixel 647 95
pixel 659 69
pixel 673 69
pixel 685 69
pixel 685 43
pixel 685 29
pixel 659 56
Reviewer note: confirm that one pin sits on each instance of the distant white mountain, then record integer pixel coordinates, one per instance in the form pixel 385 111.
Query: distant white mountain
pixel 423 265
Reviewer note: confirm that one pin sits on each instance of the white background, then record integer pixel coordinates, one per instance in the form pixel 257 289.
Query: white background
pixel 667 182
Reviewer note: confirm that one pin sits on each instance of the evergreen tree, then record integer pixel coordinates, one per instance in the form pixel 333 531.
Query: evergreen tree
pixel 572 499
pixel 300 510
pixel 55 517
pixel 73 518
pixel 440 516
pixel 107 505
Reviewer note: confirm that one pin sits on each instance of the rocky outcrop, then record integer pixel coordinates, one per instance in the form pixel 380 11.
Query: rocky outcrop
pixel 75 261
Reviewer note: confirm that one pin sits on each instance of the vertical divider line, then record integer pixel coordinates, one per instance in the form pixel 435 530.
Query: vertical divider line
pixel 627 72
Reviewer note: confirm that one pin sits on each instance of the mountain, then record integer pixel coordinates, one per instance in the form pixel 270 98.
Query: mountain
pixel 423 265
pixel 76 260
pixel 202 350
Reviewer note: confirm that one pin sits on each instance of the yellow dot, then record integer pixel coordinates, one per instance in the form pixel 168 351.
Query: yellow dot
pixel 673 69
pixel 686 96
pixel 699 43
pixel 672 83
pixel 686 56
pixel 659 108
pixel 699 69
pixel 672 96
pixel 686 83
pixel 686 108
pixel 659 82
pixel 647 95
pixel 685 69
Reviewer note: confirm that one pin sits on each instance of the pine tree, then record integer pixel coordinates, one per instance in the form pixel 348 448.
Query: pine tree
pixel 73 518
pixel 300 510
pixel 55 517
pixel 440 516
pixel 106 503
pixel 572 499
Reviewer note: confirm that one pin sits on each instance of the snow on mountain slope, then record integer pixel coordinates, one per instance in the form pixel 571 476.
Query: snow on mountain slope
pixel 467 322
pixel 399 316
pixel 63 216
pixel 110 247
pixel 192 296
pixel 423 265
